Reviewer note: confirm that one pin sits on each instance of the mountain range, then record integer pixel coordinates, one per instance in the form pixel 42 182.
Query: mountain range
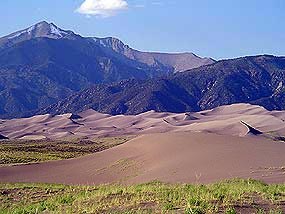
pixel 45 69
pixel 255 79
pixel 43 64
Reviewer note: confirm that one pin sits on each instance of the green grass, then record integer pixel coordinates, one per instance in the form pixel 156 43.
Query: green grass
pixel 235 196
pixel 29 151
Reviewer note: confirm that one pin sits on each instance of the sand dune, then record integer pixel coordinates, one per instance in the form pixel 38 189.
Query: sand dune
pixel 221 120
pixel 225 142
pixel 169 157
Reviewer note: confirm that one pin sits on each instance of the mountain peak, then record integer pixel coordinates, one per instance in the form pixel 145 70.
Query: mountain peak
pixel 45 26
pixel 42 23
pixel 42 29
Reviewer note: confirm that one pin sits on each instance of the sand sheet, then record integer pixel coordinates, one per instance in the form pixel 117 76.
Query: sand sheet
pixel 169 157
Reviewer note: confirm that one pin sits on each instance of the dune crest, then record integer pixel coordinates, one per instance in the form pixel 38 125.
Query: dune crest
pixel 251 130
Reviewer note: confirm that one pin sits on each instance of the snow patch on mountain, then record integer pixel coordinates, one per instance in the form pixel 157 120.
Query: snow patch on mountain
pixel 56 31
pixel 100 41
pixel 29 31
pixel 42 29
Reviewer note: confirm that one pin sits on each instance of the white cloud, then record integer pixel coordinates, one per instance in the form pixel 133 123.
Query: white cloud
pixel 102 8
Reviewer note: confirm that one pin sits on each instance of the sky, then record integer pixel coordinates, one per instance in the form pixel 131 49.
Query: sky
pixel 212 28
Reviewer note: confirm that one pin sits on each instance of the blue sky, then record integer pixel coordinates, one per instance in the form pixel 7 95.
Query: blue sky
pixel 218 29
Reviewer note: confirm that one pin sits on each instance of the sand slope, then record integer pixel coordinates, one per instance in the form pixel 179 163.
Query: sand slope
pixel 221 120
pixel 169 157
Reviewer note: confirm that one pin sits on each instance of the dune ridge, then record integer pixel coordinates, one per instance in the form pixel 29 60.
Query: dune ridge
pixel 232 119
